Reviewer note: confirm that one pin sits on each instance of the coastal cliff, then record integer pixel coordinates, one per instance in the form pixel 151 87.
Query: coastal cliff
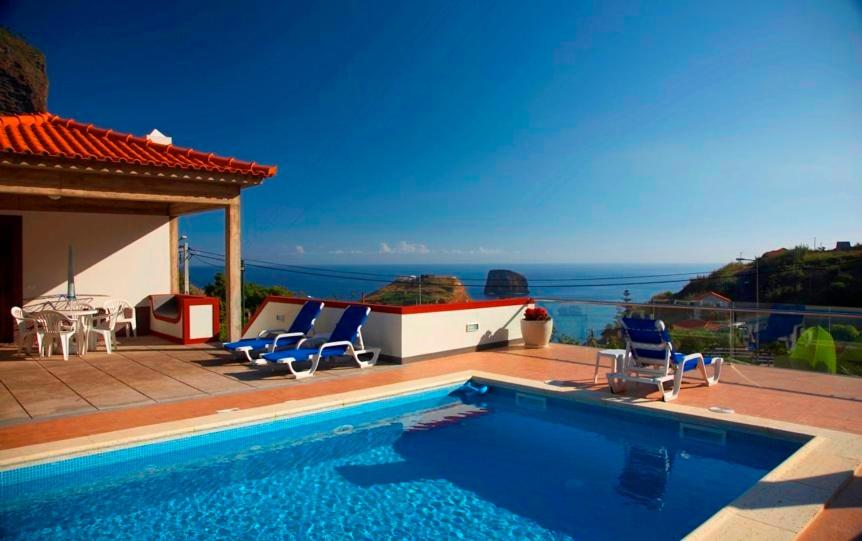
pixel 425 289
pixel 788 276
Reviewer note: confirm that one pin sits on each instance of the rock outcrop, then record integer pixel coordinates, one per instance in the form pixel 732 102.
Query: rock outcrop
pixel 23 81
pixel 506 283
pixel 425 289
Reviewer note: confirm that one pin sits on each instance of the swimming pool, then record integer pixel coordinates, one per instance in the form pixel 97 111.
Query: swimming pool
pixel 430 465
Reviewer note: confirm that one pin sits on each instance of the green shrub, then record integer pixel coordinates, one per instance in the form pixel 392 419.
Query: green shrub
pixel 842 332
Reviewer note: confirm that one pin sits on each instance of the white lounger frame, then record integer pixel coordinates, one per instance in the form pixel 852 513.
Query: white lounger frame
pixel 282 333
pixel 315 359
pixel 658 371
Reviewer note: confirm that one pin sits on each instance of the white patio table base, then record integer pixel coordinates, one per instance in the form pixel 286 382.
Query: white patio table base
pixel 617 356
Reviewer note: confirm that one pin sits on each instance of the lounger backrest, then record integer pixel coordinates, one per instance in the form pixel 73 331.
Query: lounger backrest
pixel 348 326
pixel 304 320
pixel 781 325
pixel 647 338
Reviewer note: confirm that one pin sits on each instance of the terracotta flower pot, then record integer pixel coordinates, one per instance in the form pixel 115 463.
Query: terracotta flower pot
pixel 537 334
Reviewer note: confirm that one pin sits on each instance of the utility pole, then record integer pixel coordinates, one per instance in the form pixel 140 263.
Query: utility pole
pixel 756 262
pixel 185 240
pixel 242 289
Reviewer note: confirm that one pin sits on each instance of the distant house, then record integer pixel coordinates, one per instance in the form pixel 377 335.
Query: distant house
pixel 712 299
pixel 843 245
pixel 709 299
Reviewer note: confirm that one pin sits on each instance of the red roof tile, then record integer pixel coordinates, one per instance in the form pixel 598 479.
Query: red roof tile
pixel 49 135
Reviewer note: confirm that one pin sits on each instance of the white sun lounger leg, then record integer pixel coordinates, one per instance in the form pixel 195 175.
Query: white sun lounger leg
pixel 375 353
pixel 301 374
pixel 246 352
pixel 667 396
pixel 716 371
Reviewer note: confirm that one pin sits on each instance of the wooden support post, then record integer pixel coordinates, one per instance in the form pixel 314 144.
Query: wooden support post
pixel 174 246
pixel 233 279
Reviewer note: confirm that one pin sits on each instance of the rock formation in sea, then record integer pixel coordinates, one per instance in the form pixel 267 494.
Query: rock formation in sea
pixel 506 283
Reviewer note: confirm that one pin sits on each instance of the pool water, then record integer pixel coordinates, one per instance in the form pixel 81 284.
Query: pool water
pixel 433 465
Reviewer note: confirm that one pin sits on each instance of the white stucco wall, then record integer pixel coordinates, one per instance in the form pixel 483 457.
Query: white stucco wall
pixel 436 332
pixel 124 256
pixel 410 335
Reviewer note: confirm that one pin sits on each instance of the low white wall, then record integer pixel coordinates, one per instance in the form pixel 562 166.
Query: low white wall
pixel 436 332
pixel 405 336
pixel 117 255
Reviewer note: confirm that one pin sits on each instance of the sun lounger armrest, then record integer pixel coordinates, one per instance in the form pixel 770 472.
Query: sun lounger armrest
pixel 344 343
pixel 286 335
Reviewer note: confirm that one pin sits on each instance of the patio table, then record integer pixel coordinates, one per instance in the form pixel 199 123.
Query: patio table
pixel 617 357
pixel 82 329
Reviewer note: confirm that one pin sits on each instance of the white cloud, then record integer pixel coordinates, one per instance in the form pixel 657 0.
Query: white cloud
pixel 342 252
pixel 300 250
pixel 481 250
pixel 404 247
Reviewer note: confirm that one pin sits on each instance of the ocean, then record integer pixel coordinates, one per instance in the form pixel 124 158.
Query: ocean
pixel 606 282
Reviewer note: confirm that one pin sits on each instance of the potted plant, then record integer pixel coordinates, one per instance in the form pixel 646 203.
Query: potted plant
pixel 536 327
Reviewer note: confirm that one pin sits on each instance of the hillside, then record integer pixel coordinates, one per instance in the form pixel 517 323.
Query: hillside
pixel 795 276
pixel 435 290
pixel 23 81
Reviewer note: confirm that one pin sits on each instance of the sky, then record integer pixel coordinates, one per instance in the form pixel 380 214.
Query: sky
pixel 447 132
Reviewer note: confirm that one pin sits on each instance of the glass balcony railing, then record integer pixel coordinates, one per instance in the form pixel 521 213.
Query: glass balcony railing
pixel 815 338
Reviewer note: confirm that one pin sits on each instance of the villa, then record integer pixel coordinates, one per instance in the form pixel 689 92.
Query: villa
pixel 115 199
pixel 98 209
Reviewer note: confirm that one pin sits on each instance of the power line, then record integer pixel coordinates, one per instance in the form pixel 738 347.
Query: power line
pixel 430 281
pixel 479 281
pixel 323 272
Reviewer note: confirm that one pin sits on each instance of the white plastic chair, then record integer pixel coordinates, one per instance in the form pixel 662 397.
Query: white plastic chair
pixel 27 328
pixel 57 327
pixel 105 324
pixel 126 318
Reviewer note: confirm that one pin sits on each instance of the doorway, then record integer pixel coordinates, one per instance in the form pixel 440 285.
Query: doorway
pixel 11 273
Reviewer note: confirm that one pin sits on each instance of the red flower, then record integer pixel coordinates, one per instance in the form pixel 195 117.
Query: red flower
pixel 536 314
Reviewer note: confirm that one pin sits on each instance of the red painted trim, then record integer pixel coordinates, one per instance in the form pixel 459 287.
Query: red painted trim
pixel 184 303
pixel 386 309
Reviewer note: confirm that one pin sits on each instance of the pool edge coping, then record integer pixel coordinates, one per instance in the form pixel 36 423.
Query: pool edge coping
pixel 758 512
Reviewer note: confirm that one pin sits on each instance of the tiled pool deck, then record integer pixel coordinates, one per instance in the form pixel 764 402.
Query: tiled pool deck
pixel 149 381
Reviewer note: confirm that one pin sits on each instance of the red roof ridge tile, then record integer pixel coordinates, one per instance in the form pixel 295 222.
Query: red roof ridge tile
pixel 51 135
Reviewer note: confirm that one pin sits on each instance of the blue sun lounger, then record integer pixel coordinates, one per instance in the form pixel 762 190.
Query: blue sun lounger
pixel 339 344
pixel 651 359
pixel 272 339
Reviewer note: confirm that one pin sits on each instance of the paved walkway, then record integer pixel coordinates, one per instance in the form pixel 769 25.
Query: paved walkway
pixel 149 381
pixel 144 371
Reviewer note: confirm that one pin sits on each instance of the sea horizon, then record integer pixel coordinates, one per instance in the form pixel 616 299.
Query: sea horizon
pixel 559 281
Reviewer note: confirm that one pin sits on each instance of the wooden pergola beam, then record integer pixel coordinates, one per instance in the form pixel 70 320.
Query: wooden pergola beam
pixel 233 276
pixel 174 247
pixel 60 183
pixel 43 185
